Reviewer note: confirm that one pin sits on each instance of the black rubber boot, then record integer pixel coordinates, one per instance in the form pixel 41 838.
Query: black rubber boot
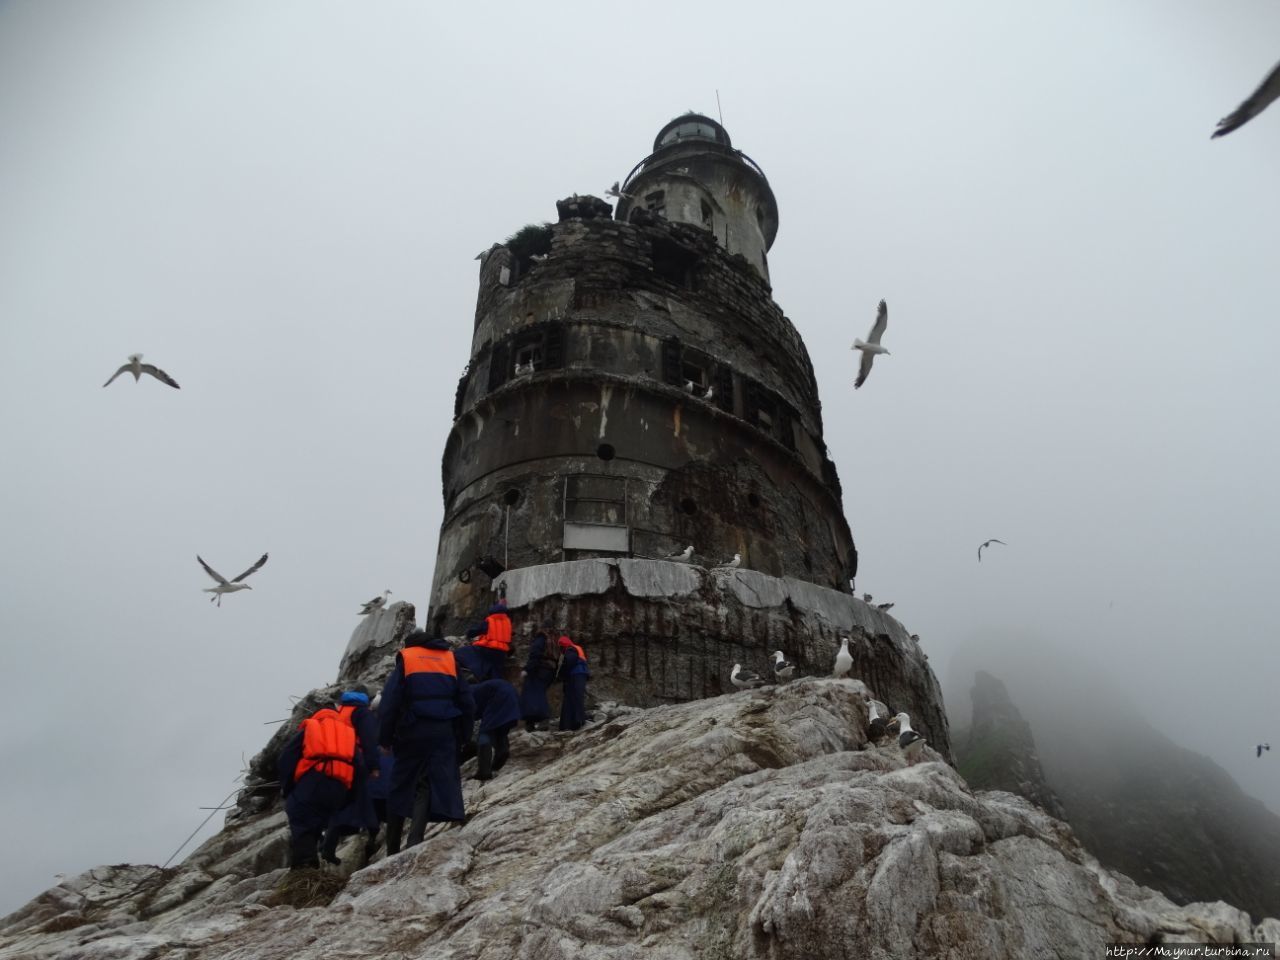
pixel 418 828
pixel 484 771
pixel 395 829
pixel 329 849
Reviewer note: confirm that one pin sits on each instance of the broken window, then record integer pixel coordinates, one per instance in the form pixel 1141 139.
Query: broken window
pixel 656 203
pixel 708 218
pixel 528 358
pixel 674 263
pixel 499 371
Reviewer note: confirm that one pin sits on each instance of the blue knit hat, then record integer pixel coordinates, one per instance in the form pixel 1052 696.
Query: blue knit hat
pixel 353 697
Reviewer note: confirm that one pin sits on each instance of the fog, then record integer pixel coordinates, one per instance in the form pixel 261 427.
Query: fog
pixel 278 203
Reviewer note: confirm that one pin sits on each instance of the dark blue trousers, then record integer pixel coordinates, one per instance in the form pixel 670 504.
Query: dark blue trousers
pixel 432 764
pixel 533 699
pixel 488 664
pixel 573 708
pixel 312 801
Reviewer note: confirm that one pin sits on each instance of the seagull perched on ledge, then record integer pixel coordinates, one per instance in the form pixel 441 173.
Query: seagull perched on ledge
pixel 782 668
pixel 745 679
pixel 377 603
pixel 229 586
pixel 684 554
pixel 909 741
pixel 844 659
pixel 877 726
pixel 735 562
pixel 135 366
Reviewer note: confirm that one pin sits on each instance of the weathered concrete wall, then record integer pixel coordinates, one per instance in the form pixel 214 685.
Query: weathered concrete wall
pixel 663 632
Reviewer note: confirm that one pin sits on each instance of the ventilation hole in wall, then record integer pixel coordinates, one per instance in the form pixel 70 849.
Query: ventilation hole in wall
pixel 511 497
pixel 605 451
pixel 753 499
pixel 808 564
pixel 688 506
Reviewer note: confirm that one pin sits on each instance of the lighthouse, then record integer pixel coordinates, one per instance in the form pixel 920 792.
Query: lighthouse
pixel 633 391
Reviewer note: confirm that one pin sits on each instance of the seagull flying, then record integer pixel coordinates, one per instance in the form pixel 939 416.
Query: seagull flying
pixel 782 669
pixel 844 659
pixel 684 554
pixel 987 544
pixel 872 345
pixel 909 741
pixel 735 562
pixel 1257 102
pixel 744 679
pixel 377 603
pixel 1263 746
pixel 616 191
pixel 229 586
pixel 135 366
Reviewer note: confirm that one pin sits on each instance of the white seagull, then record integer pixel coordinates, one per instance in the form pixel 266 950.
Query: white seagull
pixel 744 679
pixel 537 257
pixel 872 345
pixel 1258 101
pixel 135 366
pixel 377 603
pixel 844 659
pixel 616 191
pixel 735 562
pixel 987 544
pixel 229 586
pixel 866 598
pixel 877 725
pixel 684 554
pixel 909 741
pixel 782 669
pixel 688 386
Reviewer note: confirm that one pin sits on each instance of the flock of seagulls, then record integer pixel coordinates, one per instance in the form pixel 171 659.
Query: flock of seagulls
pixel 879 722
pixel 685 555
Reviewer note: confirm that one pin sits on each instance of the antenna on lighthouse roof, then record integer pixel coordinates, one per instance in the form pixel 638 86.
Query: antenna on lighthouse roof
pixel 718 110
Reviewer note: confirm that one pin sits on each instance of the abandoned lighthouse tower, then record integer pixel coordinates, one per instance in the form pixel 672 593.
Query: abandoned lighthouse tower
pixel 632 391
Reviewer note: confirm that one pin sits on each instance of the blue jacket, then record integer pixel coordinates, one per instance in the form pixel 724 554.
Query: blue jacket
pixel 572 665
pixel 497 704
pixel 410 703
pixel 538 666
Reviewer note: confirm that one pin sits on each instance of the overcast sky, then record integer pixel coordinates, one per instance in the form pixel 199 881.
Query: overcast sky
pixel 279 202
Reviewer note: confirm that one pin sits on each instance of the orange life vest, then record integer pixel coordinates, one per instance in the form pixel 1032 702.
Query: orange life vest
pixel 497 633
pixel 426 660
pixel 329 744
pixel 581 653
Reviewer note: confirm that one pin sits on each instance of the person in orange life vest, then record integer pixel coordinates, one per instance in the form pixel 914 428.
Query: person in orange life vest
pixel 492 643
pixel 317 769
pixel 422 701
pixel 358 813
pixel 573 674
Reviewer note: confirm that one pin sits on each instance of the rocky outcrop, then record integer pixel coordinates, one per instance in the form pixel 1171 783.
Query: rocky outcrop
pixel 758 824
pixel 999 753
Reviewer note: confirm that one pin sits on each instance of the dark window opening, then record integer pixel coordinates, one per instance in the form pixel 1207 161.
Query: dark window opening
pixel 671 362
pixel 605 451
pixel 528 358
pixel 708 218
pixel 694 378
pixel 753 499
pixel 688 506
pixel 674 263
pixel 512 497
pixel 656 203
pixel 499 372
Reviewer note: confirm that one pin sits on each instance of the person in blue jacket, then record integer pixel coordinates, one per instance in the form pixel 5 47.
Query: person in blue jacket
pixel 539 673
pixel 422 701
pixel 317 769
pixel 498 711
pixel 574 675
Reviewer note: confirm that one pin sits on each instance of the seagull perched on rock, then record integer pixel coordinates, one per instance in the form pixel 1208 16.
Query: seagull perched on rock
pixel 1263 746
pixel 745 679
pixel 885 606
pixel 229 586
pixel 782 668
pixel 616 191
pixel 877 722
pixel 987 544
pixel 735 562
pixel 872 345
pixel 377 603
pixel 1258 101
pixel 844 659
pixel 537 257
pixel 866 598
pixel 909 741
pixel 135 366
pixel 684 554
